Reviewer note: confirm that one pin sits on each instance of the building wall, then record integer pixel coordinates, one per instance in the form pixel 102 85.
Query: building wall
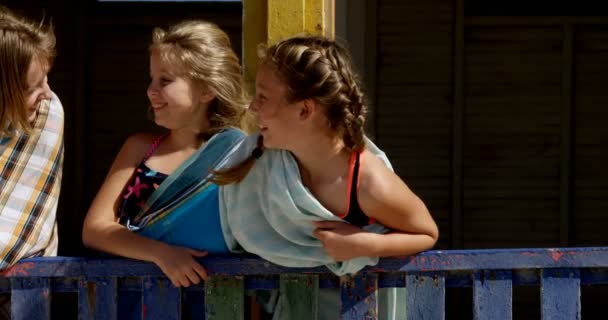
pixel 496 121
pixel 494 113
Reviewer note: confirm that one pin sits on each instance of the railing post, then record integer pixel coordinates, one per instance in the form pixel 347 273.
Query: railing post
pixel 425 295
pixel 161 299
pixel 97 298
pixel 359 296
pixel 299 295
pixel 30 298
pixel 560 294
pixel 224 297
pixel 492 295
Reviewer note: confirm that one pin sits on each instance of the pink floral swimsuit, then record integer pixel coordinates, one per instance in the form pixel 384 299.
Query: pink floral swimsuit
pixel 142 184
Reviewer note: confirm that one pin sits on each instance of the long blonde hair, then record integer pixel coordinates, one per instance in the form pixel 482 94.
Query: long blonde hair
pixel 21 43
pixel 201 51
pixel 319 68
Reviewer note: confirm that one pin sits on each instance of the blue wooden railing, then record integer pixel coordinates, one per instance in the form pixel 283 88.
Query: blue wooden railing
pixel 100 284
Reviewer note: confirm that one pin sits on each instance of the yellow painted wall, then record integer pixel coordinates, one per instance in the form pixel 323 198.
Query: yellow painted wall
pixel 268 21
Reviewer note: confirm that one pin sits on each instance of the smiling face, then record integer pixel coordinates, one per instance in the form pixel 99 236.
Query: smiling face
pixel 176 101
pixel 278 119
pixel 37 87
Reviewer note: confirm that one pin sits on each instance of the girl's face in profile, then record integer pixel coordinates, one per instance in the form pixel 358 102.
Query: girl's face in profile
pixel 276 117
pixel 37 87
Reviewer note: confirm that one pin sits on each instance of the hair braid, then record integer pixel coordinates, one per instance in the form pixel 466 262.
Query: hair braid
pixel 314 67
pixel 353 110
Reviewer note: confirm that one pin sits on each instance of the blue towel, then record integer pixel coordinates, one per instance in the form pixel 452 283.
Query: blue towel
pixel 184 210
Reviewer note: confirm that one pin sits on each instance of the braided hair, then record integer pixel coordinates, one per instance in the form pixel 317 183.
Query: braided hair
pixel 318 68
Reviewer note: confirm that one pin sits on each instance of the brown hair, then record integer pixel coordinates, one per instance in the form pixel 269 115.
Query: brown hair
pixel 21 42
pixel 318 68
pixel 201 51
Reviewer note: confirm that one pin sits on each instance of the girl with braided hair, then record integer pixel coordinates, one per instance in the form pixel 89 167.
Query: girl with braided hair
pixel 309 103
pixel 313 190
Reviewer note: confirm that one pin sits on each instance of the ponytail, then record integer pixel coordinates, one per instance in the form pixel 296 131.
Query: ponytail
pixel 237 173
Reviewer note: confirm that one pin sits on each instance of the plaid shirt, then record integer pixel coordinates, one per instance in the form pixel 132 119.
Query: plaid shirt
pixel 30 179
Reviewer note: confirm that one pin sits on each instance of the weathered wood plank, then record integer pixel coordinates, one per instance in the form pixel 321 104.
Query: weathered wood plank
pixel 493 294
pixel 299 295
pixel 560 294
pixel 30 298
pixel 244 265
pixel 97 298
pixel 359 296
pixel 224 297
pixel 425 295
pixel 534 21
pixel 161 299
pixel 566 152
pixel 457 190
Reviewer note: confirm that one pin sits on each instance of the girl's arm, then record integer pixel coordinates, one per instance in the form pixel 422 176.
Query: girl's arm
pixel 101 231
pixel 383 196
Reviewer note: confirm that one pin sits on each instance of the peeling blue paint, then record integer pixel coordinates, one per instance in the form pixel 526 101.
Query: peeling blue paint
pixel 103 284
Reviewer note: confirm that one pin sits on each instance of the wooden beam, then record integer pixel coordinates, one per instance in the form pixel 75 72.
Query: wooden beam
pixel 533 21
pixel 456 225
pixel 370 72
pixel 565 205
